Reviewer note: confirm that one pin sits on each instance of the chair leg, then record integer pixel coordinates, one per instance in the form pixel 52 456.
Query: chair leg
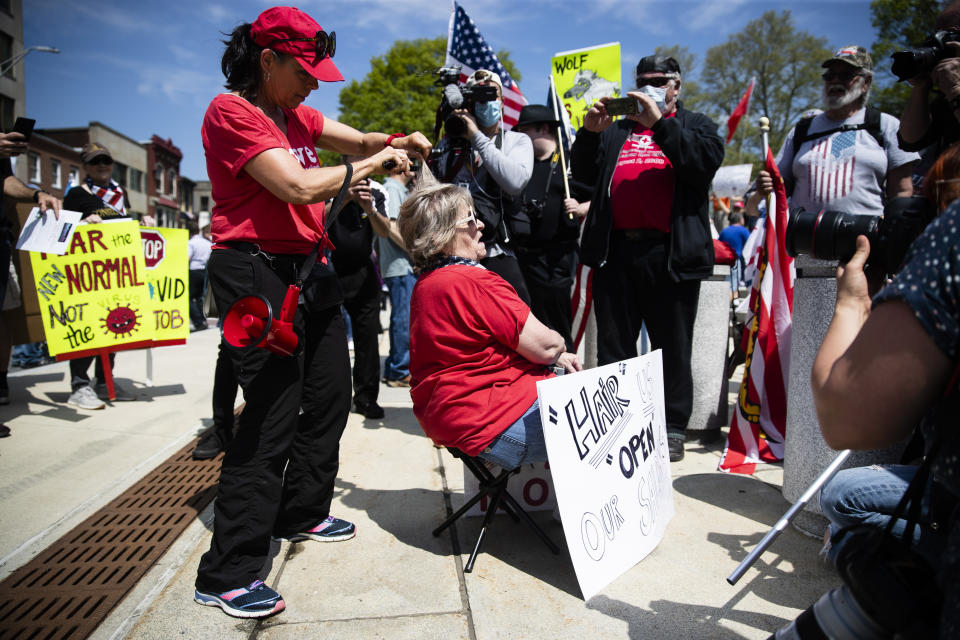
pixel 462 510
pixel 533 525
pixel 491 510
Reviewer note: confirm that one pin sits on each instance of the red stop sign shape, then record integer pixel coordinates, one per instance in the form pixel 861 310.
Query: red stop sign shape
pixel 153 247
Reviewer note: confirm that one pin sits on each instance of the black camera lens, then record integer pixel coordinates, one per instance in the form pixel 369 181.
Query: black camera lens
pixel 827 235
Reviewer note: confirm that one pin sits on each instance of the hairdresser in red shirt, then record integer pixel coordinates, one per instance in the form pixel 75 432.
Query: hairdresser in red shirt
pixel 476 350
pixel 269 187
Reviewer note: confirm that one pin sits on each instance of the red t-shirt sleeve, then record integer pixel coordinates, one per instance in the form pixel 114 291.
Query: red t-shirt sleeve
pixel 235 133
pixel 312 120
pixel 498 309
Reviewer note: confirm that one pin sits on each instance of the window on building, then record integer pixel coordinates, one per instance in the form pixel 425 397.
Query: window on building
pixel 7 118
pixel 55 177
pixel 120 173
pixel 204 203
pixel 136 180
pixel 172 183
pixel 33 168
pixel 74 176
pixel 158 177
pixel 6 51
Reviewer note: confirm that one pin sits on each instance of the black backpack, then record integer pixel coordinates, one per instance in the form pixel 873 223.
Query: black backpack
pixel 871 122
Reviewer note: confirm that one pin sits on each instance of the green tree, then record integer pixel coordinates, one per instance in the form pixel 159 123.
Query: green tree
pixel 786 65
pixel 900 24
pixel 398 93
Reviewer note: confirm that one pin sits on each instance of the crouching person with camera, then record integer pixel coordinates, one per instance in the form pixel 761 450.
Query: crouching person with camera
pixel 883 367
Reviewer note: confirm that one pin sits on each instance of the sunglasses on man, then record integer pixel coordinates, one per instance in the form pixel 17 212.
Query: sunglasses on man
pixel 326 43
pixel 100 160
pixel 654 82
pixel 845 77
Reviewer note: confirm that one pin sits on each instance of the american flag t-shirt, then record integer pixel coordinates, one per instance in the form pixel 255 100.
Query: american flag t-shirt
pixel 467 48
pixel 831 169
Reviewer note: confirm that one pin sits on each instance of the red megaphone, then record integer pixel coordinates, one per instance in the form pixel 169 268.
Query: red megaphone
pixel 249 322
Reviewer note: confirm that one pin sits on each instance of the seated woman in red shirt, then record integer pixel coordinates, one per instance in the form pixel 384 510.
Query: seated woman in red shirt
pixel 476 351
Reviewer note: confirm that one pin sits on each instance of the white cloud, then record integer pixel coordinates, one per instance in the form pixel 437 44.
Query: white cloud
pixel 711 13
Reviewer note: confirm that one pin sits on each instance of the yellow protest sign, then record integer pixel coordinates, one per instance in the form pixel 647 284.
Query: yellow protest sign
pixel 584 76
pixel 94 296
pixel 165 257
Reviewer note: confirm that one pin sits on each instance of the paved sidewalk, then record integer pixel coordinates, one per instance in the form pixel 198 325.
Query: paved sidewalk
pixel 395 580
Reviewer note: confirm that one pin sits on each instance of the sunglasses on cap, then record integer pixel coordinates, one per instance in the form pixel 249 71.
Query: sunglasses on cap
pixel 326 43
pixel 101 160
pixel 846 76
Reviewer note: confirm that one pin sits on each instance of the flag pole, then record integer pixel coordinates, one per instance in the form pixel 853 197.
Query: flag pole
pixel 765 128
pixel 563 159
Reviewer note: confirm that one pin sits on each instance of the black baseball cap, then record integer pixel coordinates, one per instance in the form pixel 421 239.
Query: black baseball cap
pixel 536 114
pixel 658 64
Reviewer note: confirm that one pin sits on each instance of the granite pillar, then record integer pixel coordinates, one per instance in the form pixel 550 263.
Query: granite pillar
pixel 710 339
pixel 807 455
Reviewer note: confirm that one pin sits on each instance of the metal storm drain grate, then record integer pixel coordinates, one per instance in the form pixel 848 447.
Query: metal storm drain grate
pixel 67 590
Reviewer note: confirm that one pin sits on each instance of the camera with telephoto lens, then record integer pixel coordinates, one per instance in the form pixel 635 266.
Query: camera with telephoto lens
pixel 914 62
pixel 832 235
pixel 457 97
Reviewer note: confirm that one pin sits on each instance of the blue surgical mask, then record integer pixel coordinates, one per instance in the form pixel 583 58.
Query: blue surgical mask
pixel 487 113
pixel 658 94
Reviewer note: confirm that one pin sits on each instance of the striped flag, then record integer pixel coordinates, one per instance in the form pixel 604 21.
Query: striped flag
pixel 759 421
pixel 467 48
pixel 581 303
pixel 830 172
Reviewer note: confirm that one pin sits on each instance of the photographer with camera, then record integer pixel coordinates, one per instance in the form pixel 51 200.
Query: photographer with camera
pixel 493 164
pixel 884 367
pixel 933 68
pixel 548 257
pixel 647 232
pixel 848 156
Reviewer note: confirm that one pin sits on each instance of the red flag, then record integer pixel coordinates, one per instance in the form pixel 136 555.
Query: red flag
pixel 759 421
pixel 739 112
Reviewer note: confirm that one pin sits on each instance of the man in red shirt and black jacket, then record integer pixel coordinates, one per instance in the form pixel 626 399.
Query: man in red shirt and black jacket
pixel 647 232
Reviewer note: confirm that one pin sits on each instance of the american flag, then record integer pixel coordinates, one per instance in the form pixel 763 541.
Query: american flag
pixel 830 172
pixel 467 48
pixel 759 420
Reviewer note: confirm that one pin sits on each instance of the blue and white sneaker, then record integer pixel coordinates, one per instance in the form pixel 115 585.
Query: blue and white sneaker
pixel 329 530
pixel 255 601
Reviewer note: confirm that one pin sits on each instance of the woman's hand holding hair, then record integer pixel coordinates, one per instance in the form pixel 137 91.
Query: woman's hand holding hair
pixel 415 144
pixel 569 361
pixel 389 161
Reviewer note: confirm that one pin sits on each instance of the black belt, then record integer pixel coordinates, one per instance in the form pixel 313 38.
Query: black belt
pixel 642 234
pixel 272 260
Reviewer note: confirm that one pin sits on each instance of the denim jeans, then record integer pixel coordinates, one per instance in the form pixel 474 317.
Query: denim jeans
pixel 869 495
pixel 397 364
pixel 520 443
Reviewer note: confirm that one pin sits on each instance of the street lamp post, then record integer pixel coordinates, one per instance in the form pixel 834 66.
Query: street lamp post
pixel 6 65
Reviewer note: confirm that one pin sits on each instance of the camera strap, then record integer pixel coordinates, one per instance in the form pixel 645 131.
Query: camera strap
pixel 328 220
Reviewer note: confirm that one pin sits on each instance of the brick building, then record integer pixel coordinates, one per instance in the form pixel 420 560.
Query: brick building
pixel 129 156
pixel 163 158
pixel 51 165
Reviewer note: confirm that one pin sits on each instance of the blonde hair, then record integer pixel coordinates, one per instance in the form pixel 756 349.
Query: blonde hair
pixel 428 220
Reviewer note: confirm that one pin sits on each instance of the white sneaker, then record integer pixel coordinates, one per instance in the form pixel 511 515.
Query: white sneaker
pixel 85 398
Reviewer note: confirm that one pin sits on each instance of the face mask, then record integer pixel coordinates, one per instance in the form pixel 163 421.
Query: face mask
pixel 659 95
pixel 487 113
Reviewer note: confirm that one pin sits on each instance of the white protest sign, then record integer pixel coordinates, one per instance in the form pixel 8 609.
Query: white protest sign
pixel 532 487
pixel 607 443
pixel 732 181
pixel 45 233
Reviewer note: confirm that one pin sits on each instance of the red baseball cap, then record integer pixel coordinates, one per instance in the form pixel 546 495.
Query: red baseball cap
pixel 290 31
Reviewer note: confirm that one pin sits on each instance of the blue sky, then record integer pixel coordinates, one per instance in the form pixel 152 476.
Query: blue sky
pixel 145 68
